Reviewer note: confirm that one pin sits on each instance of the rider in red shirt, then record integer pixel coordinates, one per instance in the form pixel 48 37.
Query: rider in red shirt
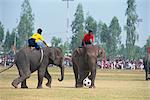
pixel 88 38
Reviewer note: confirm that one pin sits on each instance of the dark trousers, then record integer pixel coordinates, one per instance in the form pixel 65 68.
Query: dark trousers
pixel 86 43
pixel 32 43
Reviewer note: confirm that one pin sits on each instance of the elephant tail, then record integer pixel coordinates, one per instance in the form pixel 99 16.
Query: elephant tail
pixel 7 68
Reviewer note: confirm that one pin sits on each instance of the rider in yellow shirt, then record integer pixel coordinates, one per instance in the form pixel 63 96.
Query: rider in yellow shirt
pixel 37 40
pixel 37 37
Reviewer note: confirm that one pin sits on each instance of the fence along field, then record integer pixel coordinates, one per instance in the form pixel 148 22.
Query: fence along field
pixel 110 85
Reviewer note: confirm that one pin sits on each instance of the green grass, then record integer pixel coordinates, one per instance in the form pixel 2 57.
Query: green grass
pixel 110 85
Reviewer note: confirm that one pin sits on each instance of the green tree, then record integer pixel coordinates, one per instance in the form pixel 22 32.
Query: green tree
pixel 77 27
pixel 98 34
pixel 148 41
pixel 15 41
pixel 91 24
pixel 105 39
pixel 1 33
pixel 7 42
pixel 104 33
pixel 131 28
pixel 138 53
pixel 65 48
pixel 56 41
pixel 122 50
pixel 146 45
pixel 115 32
pixel 26 24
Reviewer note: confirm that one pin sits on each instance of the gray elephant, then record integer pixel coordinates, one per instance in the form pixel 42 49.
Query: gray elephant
pixel 147 66
pixel 84 62
pixel 28 61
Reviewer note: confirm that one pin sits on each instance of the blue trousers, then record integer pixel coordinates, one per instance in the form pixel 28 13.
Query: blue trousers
pixel 32 43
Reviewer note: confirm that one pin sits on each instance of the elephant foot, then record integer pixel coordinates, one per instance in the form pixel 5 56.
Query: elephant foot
pixel 148 78
pixel 79 86
pixel 39 87
pixel 14 84
pixel 48 85
pixel 92 86
pixel 24 87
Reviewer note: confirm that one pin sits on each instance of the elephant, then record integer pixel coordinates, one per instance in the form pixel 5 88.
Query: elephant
pixel 28 61
pixel 146 62
pixel 84 62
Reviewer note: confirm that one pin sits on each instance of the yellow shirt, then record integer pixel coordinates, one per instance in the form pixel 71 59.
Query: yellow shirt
pixel 37 37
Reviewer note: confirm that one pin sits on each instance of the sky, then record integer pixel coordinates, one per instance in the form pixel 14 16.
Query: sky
pixel 51 15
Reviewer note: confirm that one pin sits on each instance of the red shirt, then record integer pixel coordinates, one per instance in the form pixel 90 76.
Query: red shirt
pixel 87 37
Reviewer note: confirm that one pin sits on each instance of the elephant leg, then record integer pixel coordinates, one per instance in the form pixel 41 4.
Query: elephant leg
pixel 147 73
pixel 92 77
pixel 146 77
pixel 82 75
pixel 41 73
pixel 86 74
pixel 23 84
pixel 48 77
pixel 79 80
pixel 21 78
pixel 75 69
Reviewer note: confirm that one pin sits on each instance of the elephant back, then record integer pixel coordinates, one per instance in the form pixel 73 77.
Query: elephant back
pixel 88 50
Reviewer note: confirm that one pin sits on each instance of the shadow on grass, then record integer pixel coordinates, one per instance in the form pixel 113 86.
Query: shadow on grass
pixel 44 88
pixel 71 87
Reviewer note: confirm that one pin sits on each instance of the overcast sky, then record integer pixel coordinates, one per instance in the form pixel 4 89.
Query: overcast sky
pixel 51 15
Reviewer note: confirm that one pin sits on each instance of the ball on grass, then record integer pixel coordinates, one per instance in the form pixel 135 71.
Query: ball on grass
pixel 87 82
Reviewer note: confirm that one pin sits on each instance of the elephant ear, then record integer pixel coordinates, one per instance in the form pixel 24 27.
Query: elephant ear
pixel 58 52
pixel 52 54
pixel 59 49
pixel 80 51
pixel 101 53
pixel 55 53
pixel 77 52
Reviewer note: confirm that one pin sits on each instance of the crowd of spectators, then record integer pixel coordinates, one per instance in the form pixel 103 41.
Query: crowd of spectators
pixel 113 64
pixel 121 64
pixel 7 60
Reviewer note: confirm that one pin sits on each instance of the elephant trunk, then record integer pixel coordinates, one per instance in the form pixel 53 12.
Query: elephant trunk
pixel 62 73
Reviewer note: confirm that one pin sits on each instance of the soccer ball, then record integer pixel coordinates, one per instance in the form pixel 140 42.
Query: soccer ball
pixel 87 82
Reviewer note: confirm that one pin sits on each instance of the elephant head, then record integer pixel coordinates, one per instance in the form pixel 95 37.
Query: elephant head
pixel 92 50
pixel 101 53
pixel 56 58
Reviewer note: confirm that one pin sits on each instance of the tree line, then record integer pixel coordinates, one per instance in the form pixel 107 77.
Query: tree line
pixel 106 36
pixel 20 34
pixel 109 36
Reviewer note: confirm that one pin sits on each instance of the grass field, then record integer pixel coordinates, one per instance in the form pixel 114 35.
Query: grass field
pixel 110 85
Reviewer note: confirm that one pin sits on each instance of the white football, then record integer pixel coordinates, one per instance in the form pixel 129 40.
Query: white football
pixel 87 82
